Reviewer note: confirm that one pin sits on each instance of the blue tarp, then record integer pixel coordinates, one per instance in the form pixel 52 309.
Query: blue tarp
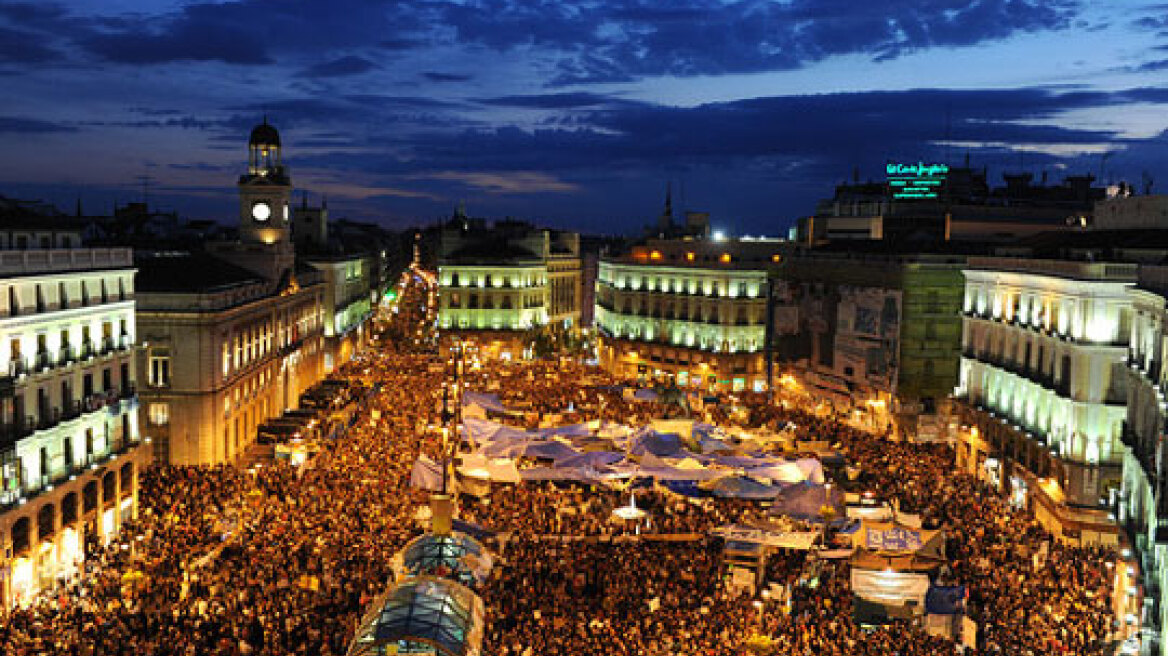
pixel 645 395
pixel 592 459
pixel 804 501
pixel 742 487
pixel 546 449
pixel 486 401
pixel 648 440
pixel 484 430
pixel 426 474
pixel 571 430
pixel 945 599
pixel 580 474
pixel 685 488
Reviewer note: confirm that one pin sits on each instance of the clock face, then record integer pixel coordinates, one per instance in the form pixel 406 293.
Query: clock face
pixel 261 211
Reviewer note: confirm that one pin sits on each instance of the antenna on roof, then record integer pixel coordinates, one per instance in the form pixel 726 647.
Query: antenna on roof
pixel 147 182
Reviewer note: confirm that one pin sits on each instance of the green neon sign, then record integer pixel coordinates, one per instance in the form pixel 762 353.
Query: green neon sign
pixel 916 181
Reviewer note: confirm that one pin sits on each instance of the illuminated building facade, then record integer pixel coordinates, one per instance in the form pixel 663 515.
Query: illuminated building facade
pixel 500 284
pixel 347 304
pixel 1142 508
pixel 1041 387
pixel 231 336
pixel 873 331
pixel 690 311
pixel 70 453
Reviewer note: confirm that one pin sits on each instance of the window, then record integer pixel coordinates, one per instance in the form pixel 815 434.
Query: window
pixel 63 294
pixel 159 370
pixel 159 414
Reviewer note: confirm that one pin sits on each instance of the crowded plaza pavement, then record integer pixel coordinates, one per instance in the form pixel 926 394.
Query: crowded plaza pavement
pixel 274 558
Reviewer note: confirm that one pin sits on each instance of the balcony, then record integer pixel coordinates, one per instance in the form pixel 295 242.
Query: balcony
pixel 108 345
pixel 11 432
pixel 43 361
pixel 18 366
pixel 87 350
pixel 66 355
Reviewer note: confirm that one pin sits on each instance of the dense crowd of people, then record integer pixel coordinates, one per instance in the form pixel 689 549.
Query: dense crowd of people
pixel 277 559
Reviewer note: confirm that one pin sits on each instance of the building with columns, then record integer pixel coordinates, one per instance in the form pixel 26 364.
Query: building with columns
pixel 1041 390
pixel 234 334
pixel 688 311
pixel 499 284
pixel 70 448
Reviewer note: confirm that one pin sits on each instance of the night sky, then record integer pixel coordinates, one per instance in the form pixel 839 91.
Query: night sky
pixel 569 113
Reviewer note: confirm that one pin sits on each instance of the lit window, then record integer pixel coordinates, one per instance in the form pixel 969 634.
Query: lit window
pixel 655 255
pixel 725 258
pixel 689 257
pixel 159 370
pixel 159 414
pixel 776 258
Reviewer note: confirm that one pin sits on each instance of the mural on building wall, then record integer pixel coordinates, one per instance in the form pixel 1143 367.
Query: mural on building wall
pixel 850 334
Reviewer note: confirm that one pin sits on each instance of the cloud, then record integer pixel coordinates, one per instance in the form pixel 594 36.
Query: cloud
pixel 1152 66
pixel 22 47
pixel 25 125
pixel 552 100
pixel 255 32
pixel 506 182
pixel 342 67
pixel 436 76
pixel 624 40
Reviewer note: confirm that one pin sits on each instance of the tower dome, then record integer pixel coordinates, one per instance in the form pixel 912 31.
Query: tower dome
pixel 264 135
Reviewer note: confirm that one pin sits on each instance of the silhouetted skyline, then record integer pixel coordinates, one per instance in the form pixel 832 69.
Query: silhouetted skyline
pixel 570 114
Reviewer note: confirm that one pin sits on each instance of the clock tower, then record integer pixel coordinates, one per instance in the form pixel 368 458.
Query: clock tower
pixel 264 190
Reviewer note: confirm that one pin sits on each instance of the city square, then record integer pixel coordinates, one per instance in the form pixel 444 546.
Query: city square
pixel 621 327
pixel 283 558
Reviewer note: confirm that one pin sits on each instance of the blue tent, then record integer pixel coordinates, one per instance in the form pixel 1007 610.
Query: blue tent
pixel 667 445
pixel 547 450
pixel 685 488
pixel 945 599
pixel 591 459
pixel 571 430
pixel 742 487
pixel 804 500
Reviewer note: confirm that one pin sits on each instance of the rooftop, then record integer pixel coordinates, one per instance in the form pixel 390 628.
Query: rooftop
pixel 179 272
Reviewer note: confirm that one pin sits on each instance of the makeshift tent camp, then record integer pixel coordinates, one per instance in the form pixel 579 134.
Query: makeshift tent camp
pixel 741 487
pixel 659 444
pixel 805 501
pixel 498 470
pixel 945 599
pixel 570 430
pixel 426 474
pixel 489 402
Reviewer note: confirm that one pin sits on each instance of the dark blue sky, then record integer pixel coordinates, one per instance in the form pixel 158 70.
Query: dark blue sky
pixel 570 113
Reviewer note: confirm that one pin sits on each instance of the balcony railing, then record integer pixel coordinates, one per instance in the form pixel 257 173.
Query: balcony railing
pixel 66 355
pixel 87 350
